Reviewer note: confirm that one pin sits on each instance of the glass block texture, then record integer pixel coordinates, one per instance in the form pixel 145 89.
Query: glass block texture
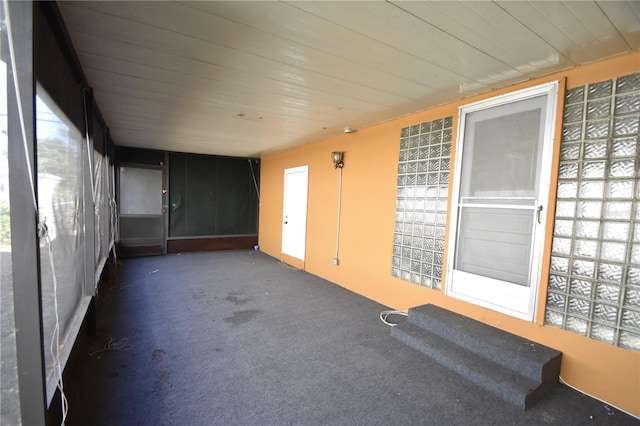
pixel 421 203
pixel 594 279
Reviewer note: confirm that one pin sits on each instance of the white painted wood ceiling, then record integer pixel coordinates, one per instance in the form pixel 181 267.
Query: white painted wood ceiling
pixel 252 78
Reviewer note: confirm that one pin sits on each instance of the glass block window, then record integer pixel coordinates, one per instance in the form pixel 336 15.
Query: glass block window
pixel 594 281
pixel 421 203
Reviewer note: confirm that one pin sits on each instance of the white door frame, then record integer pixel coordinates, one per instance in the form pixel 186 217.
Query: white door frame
pixel 517 301
pixel 294 213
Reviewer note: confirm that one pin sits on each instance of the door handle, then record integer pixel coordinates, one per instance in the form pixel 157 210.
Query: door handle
pixel 285 222
pixel 538 213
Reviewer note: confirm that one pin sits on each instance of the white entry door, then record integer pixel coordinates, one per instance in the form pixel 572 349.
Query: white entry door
pixel 294 216
pixel 501 187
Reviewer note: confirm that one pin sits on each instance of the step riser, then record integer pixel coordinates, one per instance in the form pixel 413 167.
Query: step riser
pixel 519 361
pixel 482 348
pixel 481 380
pixel 514 369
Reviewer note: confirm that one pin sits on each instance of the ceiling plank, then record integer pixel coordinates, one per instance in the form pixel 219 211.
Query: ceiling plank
pixel 388 24
pixel 563 27
pixel 202 79
pixel 251 78
pixel 625 16
pixel 219 41
pixel 307 30
pixel 480 24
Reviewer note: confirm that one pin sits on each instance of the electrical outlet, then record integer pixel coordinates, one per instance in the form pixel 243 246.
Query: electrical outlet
pixel 336 261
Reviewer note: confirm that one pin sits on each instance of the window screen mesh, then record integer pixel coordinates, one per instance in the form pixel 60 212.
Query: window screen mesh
pixel 212 196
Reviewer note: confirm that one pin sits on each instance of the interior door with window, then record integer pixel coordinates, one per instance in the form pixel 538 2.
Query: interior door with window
pixel 500 195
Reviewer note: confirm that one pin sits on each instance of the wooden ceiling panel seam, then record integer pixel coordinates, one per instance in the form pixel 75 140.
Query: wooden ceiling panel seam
pixel 317 89
pixel 549 21
pixel 251 147
pixel 436 65
pixel 263 105
pixel 227 108
pixel 486 22
pixel 235 85
pixel 591 23
pixel 257 51
pixel 126 107
pixel 344 102
pixel 338 87
pixel 461 40
pixel 460 56
pixel 626 22
pixel 439 66
pixel 149 110
pixel 235 78
pixel 349 57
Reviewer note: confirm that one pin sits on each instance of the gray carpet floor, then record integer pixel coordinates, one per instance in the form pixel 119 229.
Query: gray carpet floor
pixel 239 338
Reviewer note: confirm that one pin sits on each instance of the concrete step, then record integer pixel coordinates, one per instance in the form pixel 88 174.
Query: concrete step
pixel 515 369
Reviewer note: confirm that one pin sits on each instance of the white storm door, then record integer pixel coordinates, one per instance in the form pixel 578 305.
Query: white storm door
pixel 294 216
pixel 501 187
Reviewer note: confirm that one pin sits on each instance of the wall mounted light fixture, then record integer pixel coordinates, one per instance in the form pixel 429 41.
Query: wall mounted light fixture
pixel 338 162
pixel 337 157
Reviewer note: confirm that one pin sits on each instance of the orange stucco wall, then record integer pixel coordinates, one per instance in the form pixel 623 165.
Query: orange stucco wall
pixel 367 226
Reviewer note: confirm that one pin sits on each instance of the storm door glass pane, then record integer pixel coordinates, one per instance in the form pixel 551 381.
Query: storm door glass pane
pixel 502 151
